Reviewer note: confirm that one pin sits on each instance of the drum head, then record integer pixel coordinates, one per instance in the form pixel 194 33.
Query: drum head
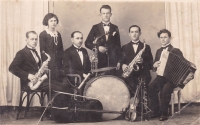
pixel 111 92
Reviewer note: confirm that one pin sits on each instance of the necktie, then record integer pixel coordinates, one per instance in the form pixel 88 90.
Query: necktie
pixel 106 24
pixel 37 56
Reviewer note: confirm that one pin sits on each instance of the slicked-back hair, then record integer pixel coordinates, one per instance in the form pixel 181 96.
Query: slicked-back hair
pixel 47 17
pixel 164 31
pixel 105 7
pixel 27 33
pixel 134 26
pixel 72 35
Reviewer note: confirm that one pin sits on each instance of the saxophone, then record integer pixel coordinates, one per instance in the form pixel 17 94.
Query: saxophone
pixel 128 70
pixel 40 76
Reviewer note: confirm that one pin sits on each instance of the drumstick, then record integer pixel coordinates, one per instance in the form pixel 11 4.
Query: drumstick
pixel 83 82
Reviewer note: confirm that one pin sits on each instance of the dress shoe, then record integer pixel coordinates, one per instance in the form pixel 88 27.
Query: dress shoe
pixel 163 118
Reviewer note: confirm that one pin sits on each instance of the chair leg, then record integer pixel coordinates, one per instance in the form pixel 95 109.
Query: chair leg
pixel 172 103
pixel 42 103
pixel 179 104
pixel 27 104
pixel 20 105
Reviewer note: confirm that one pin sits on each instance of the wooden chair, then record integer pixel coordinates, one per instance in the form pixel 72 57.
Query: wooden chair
pixel 172 100
pixel 29 96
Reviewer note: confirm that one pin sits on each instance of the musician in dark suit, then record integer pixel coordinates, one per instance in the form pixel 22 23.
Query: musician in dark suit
pixel 27 63
pixel 145 62
pixel 108 45
pixel 76 59
pixel 161 84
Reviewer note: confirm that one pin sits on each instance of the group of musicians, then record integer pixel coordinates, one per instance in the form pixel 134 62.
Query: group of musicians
pixel 75 59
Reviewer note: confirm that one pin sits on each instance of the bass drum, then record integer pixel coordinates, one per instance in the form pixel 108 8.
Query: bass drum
pixel 111 91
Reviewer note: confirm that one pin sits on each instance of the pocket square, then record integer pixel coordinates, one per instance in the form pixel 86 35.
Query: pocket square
pixel 114 33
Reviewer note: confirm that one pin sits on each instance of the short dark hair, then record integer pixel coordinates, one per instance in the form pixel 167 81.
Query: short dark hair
pixel 164 31
pixel 27 33
pixel 134 26
pixel 72 35
pixel 105 7
pixel 47 17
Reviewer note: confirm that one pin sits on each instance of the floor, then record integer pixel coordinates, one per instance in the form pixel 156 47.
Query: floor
pixel 190 115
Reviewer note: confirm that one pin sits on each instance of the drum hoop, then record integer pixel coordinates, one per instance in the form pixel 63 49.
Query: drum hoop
pixel 95 78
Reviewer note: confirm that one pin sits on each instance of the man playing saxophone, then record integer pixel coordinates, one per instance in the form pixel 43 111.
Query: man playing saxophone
pixel 133 52
pixel 27 66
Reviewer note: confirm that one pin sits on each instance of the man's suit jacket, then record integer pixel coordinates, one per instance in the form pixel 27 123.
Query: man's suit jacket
pixel 174 50
pixel 72 62
pixel 113 43
pixel 24 64
pixel 171 49
pixel 128 54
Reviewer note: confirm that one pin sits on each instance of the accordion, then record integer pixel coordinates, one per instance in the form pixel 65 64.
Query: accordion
pixel 176 69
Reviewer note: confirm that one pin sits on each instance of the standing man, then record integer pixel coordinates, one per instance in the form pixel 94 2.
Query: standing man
pixel 76 59
pixel 160 83
pixel 108 45
pixel 145 62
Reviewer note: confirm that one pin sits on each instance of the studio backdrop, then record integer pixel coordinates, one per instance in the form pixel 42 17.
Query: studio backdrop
pixel 182 19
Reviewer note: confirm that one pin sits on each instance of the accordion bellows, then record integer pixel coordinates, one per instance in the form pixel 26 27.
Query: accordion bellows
pixel 177 70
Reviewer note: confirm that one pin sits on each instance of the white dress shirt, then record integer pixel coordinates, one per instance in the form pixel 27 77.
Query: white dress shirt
pixel 80 53
pixel 34 55
pixel 106 29
pixel 135 46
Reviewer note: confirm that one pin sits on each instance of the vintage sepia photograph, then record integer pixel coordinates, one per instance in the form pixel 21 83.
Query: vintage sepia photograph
pixel 100 62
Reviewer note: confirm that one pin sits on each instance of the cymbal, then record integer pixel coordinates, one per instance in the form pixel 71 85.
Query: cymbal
pixel 103 69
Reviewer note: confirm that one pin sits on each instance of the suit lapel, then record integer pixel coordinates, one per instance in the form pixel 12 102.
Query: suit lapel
pixel 101 30
pixel 140 46
pixel 76 55
pixel 28 52
pixel 131 49
pixel 84 59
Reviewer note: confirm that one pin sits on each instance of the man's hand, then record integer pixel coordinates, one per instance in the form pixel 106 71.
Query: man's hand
pixel 124 67
pixel 156 64
pixel 103 49
pixel 118 66
pixel 31 76
pixel 139 60
pixel 84 75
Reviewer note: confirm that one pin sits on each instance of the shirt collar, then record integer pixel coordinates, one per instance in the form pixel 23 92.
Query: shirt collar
pixel 52 34
pixel 76 47
pixel 30 47
pixel 135 41
pixel 166 45
pixel 105 22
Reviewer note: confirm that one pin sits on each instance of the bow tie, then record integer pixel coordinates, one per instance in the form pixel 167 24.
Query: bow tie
pixel 78 49
pixel 106 24
pixel 135 43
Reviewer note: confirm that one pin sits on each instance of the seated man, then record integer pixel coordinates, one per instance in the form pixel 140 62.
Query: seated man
pixel 160 83
pixel 27 63
pixel 76 59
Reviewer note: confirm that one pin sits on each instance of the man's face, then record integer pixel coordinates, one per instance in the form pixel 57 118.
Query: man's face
pixel 134 33
pixel 164 39
pixel 105 15
pixel 52 23
pixel 32 40
pixel 77 39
